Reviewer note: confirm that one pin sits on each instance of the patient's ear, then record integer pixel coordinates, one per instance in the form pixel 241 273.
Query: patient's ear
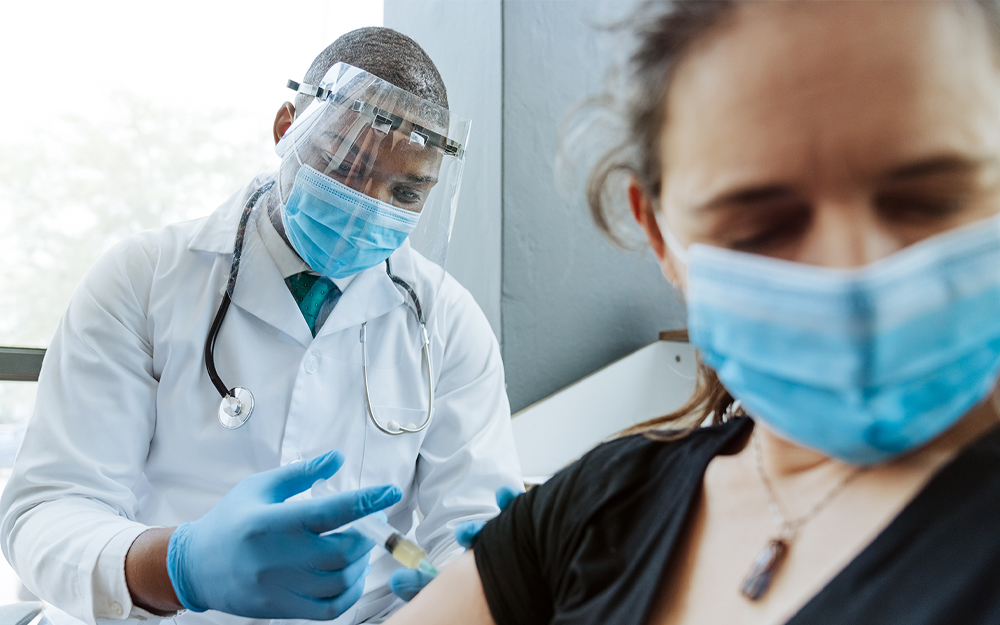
pixel 644 212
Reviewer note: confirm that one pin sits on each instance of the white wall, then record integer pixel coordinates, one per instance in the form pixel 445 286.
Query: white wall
pixel 463 38
pixel 652 382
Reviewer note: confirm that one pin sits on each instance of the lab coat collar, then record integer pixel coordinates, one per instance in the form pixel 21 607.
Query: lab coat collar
pixel 262 292
pixel 218 233
pixel 287 261
pixel 369 295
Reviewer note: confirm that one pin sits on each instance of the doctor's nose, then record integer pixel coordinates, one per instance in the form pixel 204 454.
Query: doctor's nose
pixel 378 190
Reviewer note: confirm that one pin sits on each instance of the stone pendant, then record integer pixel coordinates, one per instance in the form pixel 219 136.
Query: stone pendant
pixel 765 566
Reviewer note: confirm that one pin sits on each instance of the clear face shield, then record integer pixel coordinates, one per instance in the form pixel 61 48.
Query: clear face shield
pixel 382 143
pixel 365 167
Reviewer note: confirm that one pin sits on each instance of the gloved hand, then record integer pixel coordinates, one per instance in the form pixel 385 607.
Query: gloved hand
pixel 255 554
pixel 406 583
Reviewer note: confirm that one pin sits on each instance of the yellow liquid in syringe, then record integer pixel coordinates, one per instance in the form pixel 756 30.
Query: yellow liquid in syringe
pixel 376 527
pixel 409 554
pixel 405 552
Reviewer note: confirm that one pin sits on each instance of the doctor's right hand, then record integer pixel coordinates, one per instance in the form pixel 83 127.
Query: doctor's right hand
pixel 255 554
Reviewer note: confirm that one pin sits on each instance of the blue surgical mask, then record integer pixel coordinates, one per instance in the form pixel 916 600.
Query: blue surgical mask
pixel 339 231
pixel 862 365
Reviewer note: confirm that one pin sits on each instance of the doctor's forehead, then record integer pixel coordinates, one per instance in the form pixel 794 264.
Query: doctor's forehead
pixel 396 157
pixel 825 90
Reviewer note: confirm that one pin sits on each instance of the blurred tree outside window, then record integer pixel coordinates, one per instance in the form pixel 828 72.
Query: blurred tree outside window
pixel 86 184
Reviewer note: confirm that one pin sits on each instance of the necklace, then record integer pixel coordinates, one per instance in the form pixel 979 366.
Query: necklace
pixel 769 560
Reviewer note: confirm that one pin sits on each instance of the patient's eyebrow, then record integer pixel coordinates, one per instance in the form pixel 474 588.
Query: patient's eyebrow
pixel 938 165
pixel 747 196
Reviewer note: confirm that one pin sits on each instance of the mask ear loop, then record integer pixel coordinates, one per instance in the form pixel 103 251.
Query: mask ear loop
pixel 295 148
pixel 673 244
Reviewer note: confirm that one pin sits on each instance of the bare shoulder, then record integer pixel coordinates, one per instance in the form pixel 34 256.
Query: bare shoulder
pixel 454 598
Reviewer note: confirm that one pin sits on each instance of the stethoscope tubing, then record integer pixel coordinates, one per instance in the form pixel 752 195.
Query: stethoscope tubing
pixel 238 402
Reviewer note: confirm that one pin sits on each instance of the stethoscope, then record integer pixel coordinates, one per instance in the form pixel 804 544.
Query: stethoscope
pixel 237 403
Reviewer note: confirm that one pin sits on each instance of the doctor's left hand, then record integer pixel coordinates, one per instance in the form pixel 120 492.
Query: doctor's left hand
pixel 255 554
pixel 406 583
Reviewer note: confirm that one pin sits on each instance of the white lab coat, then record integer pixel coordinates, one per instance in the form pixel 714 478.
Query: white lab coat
pixel 125 433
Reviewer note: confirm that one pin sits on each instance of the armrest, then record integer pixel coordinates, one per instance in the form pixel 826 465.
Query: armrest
pixel 19 613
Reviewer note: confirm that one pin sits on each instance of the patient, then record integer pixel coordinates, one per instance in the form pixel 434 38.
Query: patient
pixel 822 181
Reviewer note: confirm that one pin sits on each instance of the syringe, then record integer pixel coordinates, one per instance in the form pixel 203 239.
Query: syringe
pixel 377 528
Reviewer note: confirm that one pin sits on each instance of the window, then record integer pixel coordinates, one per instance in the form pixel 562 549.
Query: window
pixel 128 115
pixel 132 115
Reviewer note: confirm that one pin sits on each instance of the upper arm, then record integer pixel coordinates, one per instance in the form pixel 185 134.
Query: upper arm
pixel 70 496
pixel 95 405
pixel 507 578
pixel 454 598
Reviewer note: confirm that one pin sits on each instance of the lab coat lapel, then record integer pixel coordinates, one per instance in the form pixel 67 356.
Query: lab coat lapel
pixel 260 289
pixel 370 295
pixel 218 233
pixel 262 292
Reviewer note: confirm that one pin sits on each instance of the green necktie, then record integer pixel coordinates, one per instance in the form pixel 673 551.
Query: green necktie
pixel 311 293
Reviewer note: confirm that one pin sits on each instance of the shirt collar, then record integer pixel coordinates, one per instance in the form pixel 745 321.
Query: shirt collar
pixel 284 257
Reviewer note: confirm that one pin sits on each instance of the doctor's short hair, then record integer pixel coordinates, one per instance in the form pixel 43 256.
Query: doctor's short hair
pixel 383 52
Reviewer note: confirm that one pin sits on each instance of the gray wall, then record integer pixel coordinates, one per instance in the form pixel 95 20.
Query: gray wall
pixel 567 300
pixel 463 37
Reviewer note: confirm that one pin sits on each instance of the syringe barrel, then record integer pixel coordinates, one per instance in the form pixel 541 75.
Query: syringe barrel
pixel 375 527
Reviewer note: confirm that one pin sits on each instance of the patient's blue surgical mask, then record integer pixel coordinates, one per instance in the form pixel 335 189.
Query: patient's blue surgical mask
pixel 864 364
pixel 339 231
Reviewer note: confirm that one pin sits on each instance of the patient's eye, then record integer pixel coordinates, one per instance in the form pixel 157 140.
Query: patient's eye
pixel 937 192
pixel 760 227
pixel 922 205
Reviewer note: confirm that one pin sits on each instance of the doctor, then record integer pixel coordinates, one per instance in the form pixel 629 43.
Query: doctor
pixel 179 460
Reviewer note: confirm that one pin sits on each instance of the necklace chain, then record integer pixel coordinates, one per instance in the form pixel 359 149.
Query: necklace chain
pixel 787 529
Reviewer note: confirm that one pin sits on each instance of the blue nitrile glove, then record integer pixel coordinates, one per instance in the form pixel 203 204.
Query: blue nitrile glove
pixel 255 554
pixel 406 583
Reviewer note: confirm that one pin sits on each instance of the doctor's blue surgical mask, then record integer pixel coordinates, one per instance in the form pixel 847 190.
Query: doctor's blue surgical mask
pixel 863 364
pixel 338 231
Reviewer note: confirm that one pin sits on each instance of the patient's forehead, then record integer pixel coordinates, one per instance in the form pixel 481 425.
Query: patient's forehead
pixel 828 89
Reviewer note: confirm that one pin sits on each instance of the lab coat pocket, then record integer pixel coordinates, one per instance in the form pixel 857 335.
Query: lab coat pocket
pixel 392 459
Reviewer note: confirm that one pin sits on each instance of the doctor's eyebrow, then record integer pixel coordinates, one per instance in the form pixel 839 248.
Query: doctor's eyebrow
pixel 420 179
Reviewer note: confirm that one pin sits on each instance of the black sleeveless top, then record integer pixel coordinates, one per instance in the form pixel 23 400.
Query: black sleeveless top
pixel 591 544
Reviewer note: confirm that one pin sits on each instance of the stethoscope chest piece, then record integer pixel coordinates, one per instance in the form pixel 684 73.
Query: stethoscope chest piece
pixel 235 408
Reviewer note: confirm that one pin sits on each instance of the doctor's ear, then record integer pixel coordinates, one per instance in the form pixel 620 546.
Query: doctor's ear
pixel 282 121
pixel 643 211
